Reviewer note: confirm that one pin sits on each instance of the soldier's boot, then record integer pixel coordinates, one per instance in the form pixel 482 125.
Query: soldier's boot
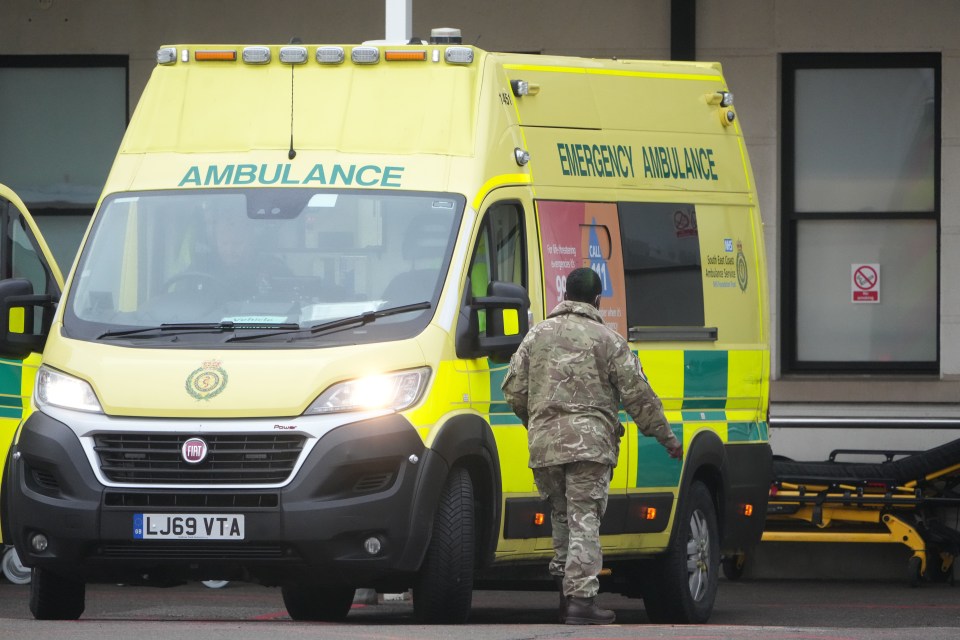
pixel 558 580
pixel 584 611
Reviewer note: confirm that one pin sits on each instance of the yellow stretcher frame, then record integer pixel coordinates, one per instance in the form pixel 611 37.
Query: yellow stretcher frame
pixel 887 508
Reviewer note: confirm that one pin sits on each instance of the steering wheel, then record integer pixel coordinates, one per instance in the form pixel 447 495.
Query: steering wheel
pixel 193 281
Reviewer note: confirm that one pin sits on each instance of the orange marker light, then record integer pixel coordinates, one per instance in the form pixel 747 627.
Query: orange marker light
pixel 404 55
pixel 538 519
pixel 748 510
pixel 222 54
pixel 650 513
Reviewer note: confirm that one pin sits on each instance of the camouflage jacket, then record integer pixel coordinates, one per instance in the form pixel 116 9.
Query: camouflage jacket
pixel 566 383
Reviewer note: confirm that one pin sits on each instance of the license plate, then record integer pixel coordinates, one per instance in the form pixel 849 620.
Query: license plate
pixel 187 526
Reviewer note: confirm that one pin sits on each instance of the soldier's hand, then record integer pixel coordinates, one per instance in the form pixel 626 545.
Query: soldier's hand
pixel 676 452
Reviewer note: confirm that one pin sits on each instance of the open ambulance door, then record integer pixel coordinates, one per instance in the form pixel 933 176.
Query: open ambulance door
pixel 30 286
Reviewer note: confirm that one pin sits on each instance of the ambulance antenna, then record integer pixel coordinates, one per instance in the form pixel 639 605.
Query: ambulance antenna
pixel 292 153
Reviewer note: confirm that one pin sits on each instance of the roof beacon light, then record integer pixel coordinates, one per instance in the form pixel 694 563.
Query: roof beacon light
pixel 293 55
pixel 458 55
pixel 445 35
pixel 405 55
pixel 256 55
pixel 166 55
pixel 229 55
pixel 330 55
pixel 365 55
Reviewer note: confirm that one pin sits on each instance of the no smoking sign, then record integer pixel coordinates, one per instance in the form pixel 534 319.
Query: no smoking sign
pixel 865 283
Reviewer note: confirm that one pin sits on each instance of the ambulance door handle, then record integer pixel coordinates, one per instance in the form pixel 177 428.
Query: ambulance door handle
pixel 672 334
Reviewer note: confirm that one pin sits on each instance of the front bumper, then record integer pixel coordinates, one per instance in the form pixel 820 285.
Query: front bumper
pixel 372 478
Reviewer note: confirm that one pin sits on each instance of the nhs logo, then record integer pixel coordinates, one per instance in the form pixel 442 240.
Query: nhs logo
pixel 728 245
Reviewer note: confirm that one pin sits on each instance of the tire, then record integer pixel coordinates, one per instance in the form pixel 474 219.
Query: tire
pixel 443 591
pixel 914 575
pixel 13 569
pixel 684 583
pixel 54 597
pixel 311 603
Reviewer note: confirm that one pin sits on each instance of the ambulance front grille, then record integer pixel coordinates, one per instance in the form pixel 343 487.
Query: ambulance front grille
pixel 134 458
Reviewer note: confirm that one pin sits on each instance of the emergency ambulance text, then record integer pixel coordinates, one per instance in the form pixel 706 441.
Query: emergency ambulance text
pixel 600 160
pixel 368 175
pixel 665 162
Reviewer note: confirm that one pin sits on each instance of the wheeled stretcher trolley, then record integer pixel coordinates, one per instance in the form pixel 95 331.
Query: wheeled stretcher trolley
pixel 907 497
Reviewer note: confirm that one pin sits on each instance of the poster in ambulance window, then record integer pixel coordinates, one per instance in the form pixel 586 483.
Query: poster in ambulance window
pixel 583 234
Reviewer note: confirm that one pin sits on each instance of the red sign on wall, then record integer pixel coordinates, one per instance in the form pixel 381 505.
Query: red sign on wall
pixel 865 283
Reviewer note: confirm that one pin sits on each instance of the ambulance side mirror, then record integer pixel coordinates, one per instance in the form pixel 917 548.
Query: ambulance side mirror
pixel 20 332
pixel 495 324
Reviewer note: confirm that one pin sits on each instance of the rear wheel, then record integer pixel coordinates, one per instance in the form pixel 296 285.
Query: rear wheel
pixel 317 604
pixel 684 585
pixel 54 597
pixel 444 588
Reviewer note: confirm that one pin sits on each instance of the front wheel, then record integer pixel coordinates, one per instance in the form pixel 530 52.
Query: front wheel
pixel 684 584
pixel 317 604
pixel 443 591
pixel 53 597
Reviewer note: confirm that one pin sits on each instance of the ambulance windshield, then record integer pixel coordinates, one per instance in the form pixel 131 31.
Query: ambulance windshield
pixel 199 267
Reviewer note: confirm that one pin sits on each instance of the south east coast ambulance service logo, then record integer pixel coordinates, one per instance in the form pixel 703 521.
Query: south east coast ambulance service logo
pixel 742 273
pixel 207 381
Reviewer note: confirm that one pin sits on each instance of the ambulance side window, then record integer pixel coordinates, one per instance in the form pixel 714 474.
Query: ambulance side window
pixel 499 253
pixel 661 264
pixel 19 257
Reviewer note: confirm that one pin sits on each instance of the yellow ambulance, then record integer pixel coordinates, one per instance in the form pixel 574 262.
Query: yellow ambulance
pixel 278 356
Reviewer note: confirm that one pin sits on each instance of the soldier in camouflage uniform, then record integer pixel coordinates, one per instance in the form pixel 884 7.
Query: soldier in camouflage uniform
pixel 566 383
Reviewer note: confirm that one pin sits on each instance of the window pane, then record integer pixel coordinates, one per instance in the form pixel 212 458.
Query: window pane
pixel 63 234
pixel 59 131
pixel 865 140
pixel 902 327
pixel 505 227
pixel 662 266
pixel 26 262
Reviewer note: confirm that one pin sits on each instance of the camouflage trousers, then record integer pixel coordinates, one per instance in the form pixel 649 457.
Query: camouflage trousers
pixel 577 493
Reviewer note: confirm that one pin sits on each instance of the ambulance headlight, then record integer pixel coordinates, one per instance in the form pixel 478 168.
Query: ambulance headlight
pixel 62 390
pixel 390 391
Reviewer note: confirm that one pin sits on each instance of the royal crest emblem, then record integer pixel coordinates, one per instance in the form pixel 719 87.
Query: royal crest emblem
pixel 207 381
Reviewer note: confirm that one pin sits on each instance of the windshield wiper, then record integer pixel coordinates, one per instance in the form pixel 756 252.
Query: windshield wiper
pixel 176 328
pixel 358 320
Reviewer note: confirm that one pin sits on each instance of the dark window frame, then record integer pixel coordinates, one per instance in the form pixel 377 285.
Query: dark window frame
pixel 71 61
pixel 484 229
pixel 790 218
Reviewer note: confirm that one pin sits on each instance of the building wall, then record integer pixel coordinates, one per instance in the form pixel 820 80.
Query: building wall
pixel 746 36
